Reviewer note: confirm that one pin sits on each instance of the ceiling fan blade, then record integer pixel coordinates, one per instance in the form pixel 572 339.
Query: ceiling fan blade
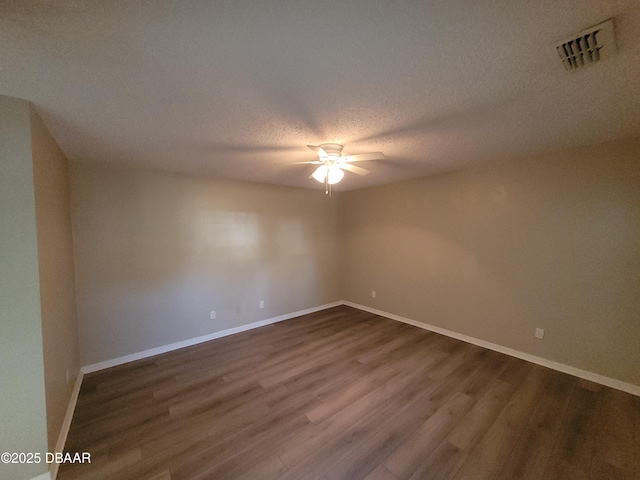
pixel 315 162
pixel 319 150
pixel 354 169
pixel 364 156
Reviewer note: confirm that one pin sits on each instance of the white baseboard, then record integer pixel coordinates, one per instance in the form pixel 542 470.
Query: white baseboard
pixel 205 338
pixel 561 367
pixel 66 424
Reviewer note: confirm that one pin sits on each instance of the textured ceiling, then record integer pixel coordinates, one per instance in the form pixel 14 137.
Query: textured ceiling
pixel 236 89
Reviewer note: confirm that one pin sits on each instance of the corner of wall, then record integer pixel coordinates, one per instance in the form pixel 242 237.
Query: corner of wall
pixel 22 404
pixel 56 273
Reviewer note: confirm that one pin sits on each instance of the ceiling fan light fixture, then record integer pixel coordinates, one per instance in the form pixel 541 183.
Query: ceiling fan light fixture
pixel 320 173
pixel 332 164
pixel 335 174
pixel 331 174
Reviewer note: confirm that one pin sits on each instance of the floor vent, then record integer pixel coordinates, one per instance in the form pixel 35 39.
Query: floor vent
pixel 588 47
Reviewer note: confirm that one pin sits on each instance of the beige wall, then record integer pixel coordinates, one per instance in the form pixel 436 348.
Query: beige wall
pixel 155 252
pixel 57 286
pixel 23 426
pixel 495 251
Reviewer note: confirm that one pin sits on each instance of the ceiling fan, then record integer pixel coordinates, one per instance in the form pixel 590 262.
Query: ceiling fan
pixel 332 163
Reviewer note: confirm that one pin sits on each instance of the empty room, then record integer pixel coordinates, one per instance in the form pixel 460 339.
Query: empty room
pixel 319 240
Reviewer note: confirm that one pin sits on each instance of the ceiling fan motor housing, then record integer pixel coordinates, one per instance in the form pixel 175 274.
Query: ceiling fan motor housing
pixel 332 149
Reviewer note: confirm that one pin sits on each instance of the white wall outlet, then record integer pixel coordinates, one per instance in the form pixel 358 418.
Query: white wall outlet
pixel 238 309
pixel 373 294
pixel 540 333
pixel 261 303
pixel 212 314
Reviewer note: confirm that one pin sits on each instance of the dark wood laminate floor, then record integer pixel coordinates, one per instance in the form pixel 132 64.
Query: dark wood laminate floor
pixel 344 394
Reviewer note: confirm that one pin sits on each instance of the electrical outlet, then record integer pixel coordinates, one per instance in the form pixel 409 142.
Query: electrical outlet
pixel 373 294
pixel 67 375
pixel 261 303
pixel 238 309
pixel 212 314
pixel 540 333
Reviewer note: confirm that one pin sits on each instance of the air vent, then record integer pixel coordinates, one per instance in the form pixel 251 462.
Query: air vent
pixel 588 47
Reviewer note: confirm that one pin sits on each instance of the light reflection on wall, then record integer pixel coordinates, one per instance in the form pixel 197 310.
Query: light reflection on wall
pixel 157 252
pixel 230 234
pixel 295 255
pixel 253 256
pixel 291 238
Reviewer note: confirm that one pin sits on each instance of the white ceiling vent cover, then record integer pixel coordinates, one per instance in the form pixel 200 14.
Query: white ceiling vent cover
pixel 588 47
